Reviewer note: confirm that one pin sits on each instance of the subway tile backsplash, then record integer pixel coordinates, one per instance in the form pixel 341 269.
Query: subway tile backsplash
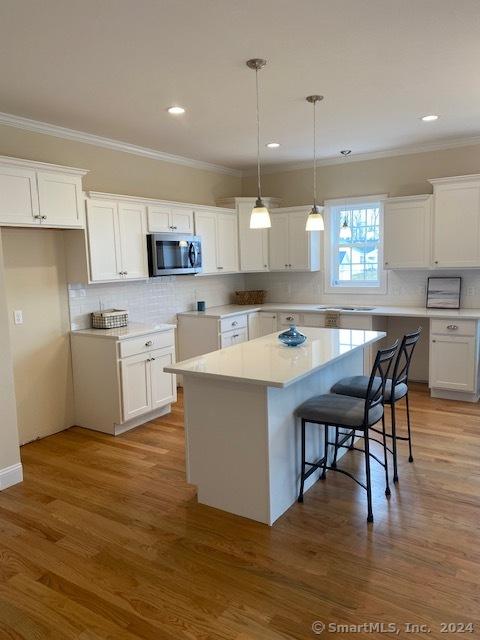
pixel 152 301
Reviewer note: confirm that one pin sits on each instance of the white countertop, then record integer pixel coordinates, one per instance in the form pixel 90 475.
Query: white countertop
pixel 412 312
pixel 266 361
pixel 132 330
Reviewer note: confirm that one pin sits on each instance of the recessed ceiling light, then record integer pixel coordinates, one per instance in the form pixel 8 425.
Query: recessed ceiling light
pixel 430 118
pixel 176 110
pixel 273 145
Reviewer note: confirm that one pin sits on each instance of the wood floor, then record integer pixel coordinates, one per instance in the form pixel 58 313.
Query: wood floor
pixel 104 539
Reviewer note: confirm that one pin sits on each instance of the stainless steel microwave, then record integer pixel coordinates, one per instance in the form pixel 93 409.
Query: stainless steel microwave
pixel 173 254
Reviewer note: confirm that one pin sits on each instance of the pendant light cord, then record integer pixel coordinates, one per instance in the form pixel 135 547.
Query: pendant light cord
pixel 258 137
pixel 314 156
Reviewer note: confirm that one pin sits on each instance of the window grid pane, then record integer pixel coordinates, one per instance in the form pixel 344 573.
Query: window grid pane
pixel 355 247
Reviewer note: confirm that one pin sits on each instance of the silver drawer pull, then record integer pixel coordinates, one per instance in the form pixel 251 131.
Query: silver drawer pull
pixel 452 327
pixel 235 335
pixel 149 343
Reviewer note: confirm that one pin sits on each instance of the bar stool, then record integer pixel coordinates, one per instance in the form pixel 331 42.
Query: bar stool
pixel 354 414
pixel 396 388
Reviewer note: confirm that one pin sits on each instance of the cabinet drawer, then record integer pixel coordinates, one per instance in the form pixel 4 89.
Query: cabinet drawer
pixel 229 338
pixel 454 327
pixel 146 343
pixel 289 318
pixel 236 322
pixel 313 320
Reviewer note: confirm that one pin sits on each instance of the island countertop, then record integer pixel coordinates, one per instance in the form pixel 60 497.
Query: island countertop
pixel 266 361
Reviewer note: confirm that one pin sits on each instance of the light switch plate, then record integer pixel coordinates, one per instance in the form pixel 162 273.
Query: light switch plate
pixel 18 316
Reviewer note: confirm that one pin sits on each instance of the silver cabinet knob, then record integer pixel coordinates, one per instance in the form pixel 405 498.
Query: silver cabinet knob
pixel 436 261
pixel 289 265
pixel 289 318
pixel 44 217
pixel 452 327
pixel 433 340
pixel 149 343
pixel 151 359
pixel 37 217
pixel 219 267
pixel 265 266
pixel 234 323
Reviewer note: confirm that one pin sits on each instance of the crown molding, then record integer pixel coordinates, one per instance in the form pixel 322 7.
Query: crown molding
pixel 46 128
pixel 42 166
pixel 370 155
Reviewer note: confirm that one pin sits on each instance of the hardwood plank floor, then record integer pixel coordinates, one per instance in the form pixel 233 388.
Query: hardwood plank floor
pixel 104 539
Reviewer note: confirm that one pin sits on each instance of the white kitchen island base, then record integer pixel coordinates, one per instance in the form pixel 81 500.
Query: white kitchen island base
pixel 242 438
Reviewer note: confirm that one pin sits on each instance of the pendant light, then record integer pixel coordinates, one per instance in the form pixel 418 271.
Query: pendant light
pixel 315 217
pixel 259 218
pixel 345 231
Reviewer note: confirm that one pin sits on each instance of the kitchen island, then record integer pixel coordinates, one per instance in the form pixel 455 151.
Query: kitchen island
pixel 242 438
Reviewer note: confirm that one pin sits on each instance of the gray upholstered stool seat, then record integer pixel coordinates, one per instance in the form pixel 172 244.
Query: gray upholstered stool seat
pixel 357 386
pixel 331 408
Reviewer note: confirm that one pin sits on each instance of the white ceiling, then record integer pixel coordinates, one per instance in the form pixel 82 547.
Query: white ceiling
pixel 112 67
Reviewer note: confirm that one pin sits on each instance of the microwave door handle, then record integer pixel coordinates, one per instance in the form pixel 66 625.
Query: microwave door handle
pixel 192 254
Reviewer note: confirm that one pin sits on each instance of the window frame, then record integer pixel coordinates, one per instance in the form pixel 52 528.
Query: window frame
pixel 330 244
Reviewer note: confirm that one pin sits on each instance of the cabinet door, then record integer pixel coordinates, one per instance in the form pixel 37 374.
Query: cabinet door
pixel 299 242
pixel 18 196
pixel 103 240
pixel 136 385
pixel 159 219
pixel 453 363
pixel 61 200
pixel 279 242
pixel 267 323
pixel 253 242
pixel 407 233
pixel 182 220
pixel 206 228
pixel 163 385
pixel 133 240
pixel 227 242
pixel 456 225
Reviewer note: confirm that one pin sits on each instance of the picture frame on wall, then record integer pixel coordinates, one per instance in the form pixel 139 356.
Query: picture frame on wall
pixel 444 293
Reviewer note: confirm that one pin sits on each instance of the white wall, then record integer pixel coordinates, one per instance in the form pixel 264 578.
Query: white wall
pixel 10 467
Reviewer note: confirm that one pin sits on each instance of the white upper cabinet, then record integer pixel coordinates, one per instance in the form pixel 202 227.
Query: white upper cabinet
pixel 166 218
pixel 278 239
pixel 218 233
pixel 18 195
pixel 133 235
pixel 292 248
pixel 103 240
pixel 61 199
pixel 407 232
pixel 227 242
pixel 117 240
pixel 206 228
pixel 253 242
pixel 456 221
pixel 33 193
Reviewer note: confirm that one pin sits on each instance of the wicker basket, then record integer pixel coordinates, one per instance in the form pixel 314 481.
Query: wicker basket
pixel 109 319
pixel 256 296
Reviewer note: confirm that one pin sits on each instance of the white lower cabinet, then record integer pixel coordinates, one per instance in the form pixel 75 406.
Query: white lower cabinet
pixel 121 383
pixel 145 386
pixel 453 362
pixel 261 323
pixel 230 338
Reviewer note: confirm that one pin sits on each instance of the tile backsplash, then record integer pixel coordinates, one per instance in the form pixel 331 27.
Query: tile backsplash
pixel 404 288
pixel 151 301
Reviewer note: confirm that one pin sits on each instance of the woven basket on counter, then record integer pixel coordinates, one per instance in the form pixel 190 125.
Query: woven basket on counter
pixel 109 319
pixel 256 296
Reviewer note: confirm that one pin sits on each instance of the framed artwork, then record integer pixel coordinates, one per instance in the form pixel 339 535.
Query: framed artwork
pixel 443 293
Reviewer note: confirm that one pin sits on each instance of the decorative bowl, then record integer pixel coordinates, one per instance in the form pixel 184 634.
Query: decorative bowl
pixel 292 337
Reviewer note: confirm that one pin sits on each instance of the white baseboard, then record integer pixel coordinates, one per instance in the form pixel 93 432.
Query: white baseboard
pixel 461 396
pixel 11 475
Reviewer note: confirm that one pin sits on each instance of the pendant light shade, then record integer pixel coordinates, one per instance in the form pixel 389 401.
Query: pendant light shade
pixel 315 217
pixel 259 218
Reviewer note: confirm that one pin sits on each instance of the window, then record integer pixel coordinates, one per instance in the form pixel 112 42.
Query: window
pixel 354 239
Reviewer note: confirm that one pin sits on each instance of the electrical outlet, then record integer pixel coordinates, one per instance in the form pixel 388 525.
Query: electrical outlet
pixel 18 316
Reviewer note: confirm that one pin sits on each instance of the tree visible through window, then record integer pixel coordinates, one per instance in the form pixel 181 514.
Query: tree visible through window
pixel 355 245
